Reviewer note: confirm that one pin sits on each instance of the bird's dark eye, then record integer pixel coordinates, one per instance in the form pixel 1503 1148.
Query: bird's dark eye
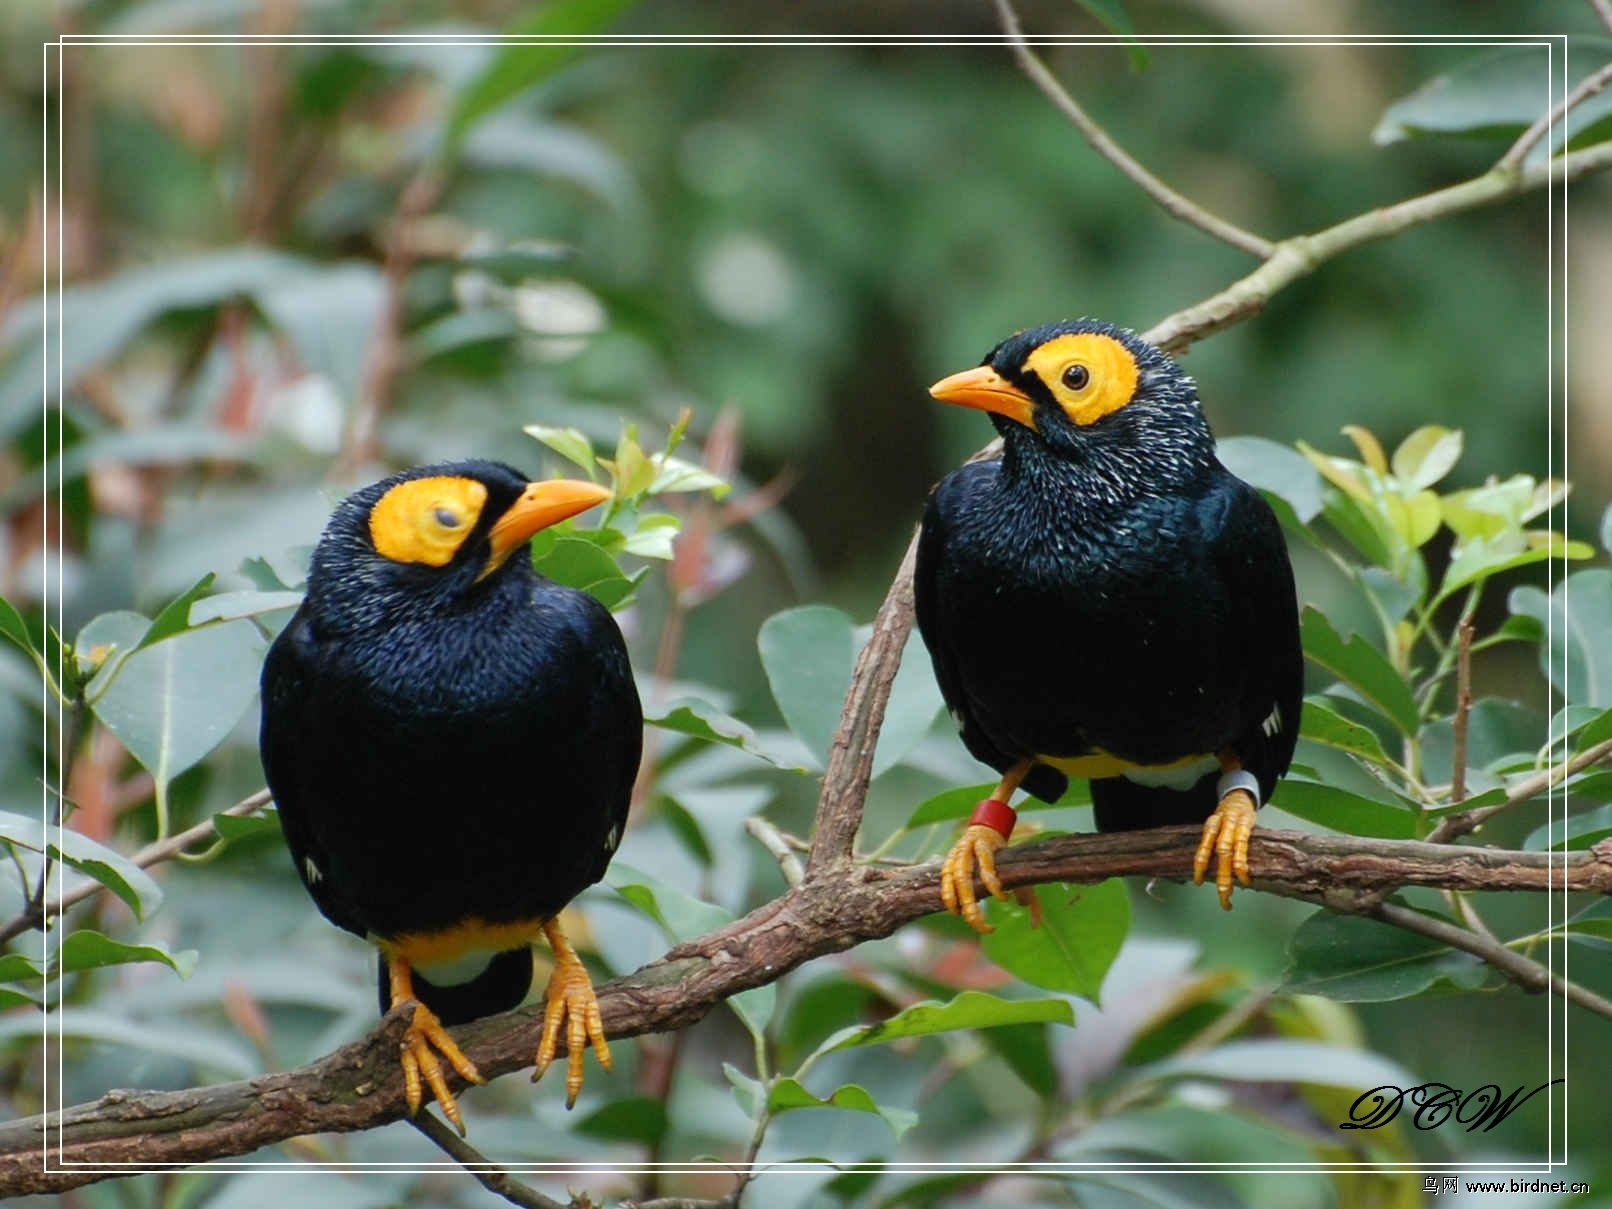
pixel 447 519
pixel 1076 377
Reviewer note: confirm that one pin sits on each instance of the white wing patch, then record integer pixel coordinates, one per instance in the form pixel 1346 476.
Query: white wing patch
pixel 1273 722
pixel 613 838
pixel 311 871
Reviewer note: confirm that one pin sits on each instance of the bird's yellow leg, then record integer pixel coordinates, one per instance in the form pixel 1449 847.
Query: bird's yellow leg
pixel 1226 832
pixel 422 1041
pixel 975 850
pixel 571 1002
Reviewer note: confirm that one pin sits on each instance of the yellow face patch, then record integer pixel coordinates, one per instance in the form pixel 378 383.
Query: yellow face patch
pixel 426 520
pixel 1089 374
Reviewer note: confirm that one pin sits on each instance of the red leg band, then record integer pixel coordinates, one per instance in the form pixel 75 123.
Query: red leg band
pixel 998 816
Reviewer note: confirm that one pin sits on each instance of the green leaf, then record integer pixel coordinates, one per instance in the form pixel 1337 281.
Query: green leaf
pixel 1320 724
pixel 19 967
pixel 112 869
pixel 1280 1060
pixel 1358 960
pixel 174 701
pixel 967 1010
pixel 516 67
pixel 577 562
pixel 675 475
pixel 700 720
pixel 1574 833
pixel 234 827
pixel 1496 95
pixel 570 443
pixel 634 1119
pixel 1274 468
pixel 788 1094
pixel 1480 558
pixel 954 804
pixel 1079 934
pixel 1578 656
pixel 228 606
pixel 807 654
pixel 175 615
pixel 464 333
pixel 653 536
pixel 683 917
pixel 104 642
pixel 1426 456
pixel 15 628
pixel 1111 15
pixel 1360 665
pixel 1340 810
pixel 1599 730
pixel 86 950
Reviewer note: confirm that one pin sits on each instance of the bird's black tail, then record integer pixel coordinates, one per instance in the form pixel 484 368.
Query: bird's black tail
pixel 499 987
pixel 1122 805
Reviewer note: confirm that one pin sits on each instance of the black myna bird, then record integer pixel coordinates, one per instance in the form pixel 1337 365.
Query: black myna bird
pixel 1106 600
pixel 451 740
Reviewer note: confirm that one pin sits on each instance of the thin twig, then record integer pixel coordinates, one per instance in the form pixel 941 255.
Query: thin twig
pixel 1453 826
pixel 1587 88
pixel 774 842
pixel 1463 708
pixel 151 854
pixel 1524 971
pixel 1603 10
pixel 489 1174
pixel 1180 207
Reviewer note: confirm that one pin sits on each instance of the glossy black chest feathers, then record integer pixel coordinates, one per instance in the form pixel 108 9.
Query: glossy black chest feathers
pixel 1106 586
pixel 446 741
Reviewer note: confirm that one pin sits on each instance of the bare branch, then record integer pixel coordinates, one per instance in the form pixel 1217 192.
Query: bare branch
pixel 1463 707
pixel 770 838
pixel 1603 10
pixel 1587 88
pixel 850 758
pixel 1183 208
pixel 488 1174
pixel 360 1086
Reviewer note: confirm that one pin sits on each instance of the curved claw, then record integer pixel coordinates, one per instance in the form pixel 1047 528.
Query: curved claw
pixel 1225 835
pixel 573 1004
pixel 974 851
pixel 422 1041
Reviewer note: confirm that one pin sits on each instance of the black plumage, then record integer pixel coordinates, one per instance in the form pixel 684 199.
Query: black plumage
pixel 451 747
pixel 1106 587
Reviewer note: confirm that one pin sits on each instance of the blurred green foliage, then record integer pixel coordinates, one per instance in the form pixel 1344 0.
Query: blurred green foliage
pixel 463 240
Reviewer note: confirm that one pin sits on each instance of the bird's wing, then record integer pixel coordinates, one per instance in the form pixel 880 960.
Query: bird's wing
pixel 1250 555
pixel 290 712
pixel 611 729
pixel 938 630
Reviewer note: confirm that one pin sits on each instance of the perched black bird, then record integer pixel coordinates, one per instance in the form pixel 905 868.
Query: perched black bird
pixel 1106 600
pixel 451 740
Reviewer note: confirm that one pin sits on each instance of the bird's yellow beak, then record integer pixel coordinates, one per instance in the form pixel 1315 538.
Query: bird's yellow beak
pixel 539 506
pixel 984 388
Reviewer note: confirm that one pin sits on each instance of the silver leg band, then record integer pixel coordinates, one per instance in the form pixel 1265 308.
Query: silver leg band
pixel 1241 779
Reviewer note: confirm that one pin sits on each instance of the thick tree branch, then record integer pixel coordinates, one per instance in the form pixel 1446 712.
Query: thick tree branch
pixel 359 1086
pixel 1174 203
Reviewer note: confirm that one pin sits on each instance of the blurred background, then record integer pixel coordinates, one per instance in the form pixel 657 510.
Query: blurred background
pixel 293 267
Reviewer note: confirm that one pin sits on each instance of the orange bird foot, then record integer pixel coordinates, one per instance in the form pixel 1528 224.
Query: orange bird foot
pixel 1225 836
pixel 423 1040
pixel 572 1003
pixel 974 850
